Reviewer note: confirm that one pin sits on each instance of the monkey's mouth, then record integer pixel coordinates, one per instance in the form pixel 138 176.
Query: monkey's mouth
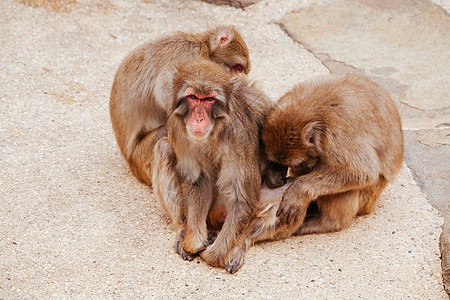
pixel 198 134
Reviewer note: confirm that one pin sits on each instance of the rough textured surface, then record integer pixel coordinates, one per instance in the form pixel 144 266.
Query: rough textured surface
pixel 431 168
pixel 403 45
pixel 76 224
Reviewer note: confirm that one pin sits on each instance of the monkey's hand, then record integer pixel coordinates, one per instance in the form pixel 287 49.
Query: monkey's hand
pixel 179 247
pixel 275 175
pixel 293 207
pixel 195 242
pixel 212 236
pixel 187 255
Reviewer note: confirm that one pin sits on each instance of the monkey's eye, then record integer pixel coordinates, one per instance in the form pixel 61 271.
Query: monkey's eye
pixel 209 99
pixel 192 97
pixel 238 68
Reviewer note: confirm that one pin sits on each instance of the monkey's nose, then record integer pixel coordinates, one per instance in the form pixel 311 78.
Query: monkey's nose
pixel 199 117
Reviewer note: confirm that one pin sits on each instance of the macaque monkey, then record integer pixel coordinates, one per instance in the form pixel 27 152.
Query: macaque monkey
pixel 208 169
pixel 342 139
pixel 140 97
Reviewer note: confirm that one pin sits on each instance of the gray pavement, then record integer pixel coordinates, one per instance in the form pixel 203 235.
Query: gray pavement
pixel 75 223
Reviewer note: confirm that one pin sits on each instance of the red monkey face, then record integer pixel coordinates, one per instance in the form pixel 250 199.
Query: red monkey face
pixel 199 123
pixel 201 104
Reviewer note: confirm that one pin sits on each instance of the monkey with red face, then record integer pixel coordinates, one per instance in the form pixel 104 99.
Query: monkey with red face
pixel 207 172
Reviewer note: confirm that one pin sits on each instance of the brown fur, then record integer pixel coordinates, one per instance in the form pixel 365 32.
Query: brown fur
pixel 140 97
pixel 199 180
pixel 342 137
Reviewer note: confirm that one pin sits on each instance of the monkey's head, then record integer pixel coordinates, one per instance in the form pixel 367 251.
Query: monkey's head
pixel 290 140
pixel 228 48
pixel 201 97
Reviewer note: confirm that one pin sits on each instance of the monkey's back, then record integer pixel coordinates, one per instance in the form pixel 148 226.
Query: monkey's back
pixel 362 123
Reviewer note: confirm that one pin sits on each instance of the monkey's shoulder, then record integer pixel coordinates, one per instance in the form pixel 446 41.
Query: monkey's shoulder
pixel 248 102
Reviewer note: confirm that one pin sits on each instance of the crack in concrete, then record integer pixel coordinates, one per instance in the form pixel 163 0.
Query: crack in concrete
pixel 307 48
pixel 394 87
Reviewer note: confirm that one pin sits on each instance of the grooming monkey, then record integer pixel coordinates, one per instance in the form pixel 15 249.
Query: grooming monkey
pixel 141 93
pixel 342 139
pixel 209 167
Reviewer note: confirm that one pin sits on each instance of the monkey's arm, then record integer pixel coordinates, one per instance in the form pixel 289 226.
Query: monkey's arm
pixel 141 159
pixel 319 182
pixel 241 188
pixel 198 198
pixel 218 254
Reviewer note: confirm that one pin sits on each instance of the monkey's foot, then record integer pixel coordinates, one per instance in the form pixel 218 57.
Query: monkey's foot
pixel 213 256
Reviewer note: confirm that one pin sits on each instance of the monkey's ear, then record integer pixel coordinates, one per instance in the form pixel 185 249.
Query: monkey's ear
pixel 221 38
pixel 312 133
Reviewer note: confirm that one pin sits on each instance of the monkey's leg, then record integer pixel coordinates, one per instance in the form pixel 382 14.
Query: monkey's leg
pixel 198 199
pixel 262 227
pixel 369 196
pixel 219 253
pixel 140 161
pixel 265 226
pixel 337 213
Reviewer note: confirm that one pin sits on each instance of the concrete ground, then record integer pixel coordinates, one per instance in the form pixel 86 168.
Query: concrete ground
pixel 75 223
